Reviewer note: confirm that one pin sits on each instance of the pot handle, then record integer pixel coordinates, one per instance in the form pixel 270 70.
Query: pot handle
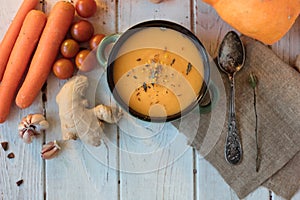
pixel 101 49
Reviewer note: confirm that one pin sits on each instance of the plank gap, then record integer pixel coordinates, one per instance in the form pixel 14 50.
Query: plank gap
pixel 118 165
pixel 195 174
pixel 44 100
pixel 192 16
pixel 117 13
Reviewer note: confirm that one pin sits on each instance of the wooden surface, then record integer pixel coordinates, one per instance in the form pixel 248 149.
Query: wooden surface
pixel 110 172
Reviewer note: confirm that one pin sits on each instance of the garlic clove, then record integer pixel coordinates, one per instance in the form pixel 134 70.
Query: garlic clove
pixel 50 150
pixel 21 126
pixel 32 125
pixel 27 119
pixel 43 125
pixel 37 118
pixel 27 136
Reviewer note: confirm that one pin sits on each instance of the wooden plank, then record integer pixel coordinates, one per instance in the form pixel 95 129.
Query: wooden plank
pixel 211 29
pixel 27 164
pixel 210 185
pixel 146 172
pixel 81 171
pixel 135 11
pixel 288 47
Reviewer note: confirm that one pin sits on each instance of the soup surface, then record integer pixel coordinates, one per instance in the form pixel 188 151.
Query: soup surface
pixel 158 78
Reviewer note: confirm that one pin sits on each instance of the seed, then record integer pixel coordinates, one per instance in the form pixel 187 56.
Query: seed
pixel 4 145
pixel 19 182
pixel 11 155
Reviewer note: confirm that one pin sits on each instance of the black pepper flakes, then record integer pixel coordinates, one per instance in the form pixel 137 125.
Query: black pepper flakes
pixel 138 60
pixel 135 77
pixel 4 146
pixel 11 155
pixel 20 182
pixel 145 86
pixel 173 61
pixel 189 68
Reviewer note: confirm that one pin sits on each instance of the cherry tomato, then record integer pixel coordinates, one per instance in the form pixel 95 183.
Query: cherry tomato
pixel 95 40
pixel 82 31
pixel 86 8
pixel 80 60
pixel 69 48
pixel 86 60
pixel 63 68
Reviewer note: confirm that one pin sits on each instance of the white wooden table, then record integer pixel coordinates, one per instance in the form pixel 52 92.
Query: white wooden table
pixel 76 173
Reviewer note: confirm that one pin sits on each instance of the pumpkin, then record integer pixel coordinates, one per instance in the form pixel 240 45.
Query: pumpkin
pixel 265 20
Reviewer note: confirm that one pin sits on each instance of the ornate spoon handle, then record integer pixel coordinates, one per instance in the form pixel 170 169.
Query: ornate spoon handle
pixel 233 148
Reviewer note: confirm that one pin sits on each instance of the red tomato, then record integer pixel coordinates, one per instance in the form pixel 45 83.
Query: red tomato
pixel 82 30
pixel 63 68
pixel 69 48
pixel 86 8
pixel 95 40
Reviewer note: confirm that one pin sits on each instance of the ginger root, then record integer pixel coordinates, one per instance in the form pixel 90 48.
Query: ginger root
pixel 79 121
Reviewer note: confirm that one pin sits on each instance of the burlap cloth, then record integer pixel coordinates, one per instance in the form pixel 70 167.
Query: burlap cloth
pixel 278 107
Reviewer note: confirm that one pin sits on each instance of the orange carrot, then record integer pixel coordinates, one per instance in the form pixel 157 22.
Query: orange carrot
pixel 60 19
pixel 19 58
pixel 12 33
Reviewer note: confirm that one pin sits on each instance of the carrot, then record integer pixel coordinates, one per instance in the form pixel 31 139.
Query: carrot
pixel 60 19
pixel 19 58
pixel 12 33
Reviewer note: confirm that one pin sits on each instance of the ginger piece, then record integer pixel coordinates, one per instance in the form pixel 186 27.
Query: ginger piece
pixel 79 121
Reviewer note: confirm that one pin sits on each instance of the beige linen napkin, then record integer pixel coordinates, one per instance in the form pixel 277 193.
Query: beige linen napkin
pixel 278 107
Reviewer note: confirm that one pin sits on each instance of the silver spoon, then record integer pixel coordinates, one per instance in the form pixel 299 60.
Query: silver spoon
pixel 231 58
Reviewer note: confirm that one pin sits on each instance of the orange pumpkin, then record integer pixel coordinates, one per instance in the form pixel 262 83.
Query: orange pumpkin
pixel 264 20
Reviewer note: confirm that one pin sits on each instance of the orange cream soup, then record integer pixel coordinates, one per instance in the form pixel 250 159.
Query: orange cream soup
pixel 155 78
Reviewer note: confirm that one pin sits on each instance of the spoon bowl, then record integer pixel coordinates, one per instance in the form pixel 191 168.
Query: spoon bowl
pixel 231 56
